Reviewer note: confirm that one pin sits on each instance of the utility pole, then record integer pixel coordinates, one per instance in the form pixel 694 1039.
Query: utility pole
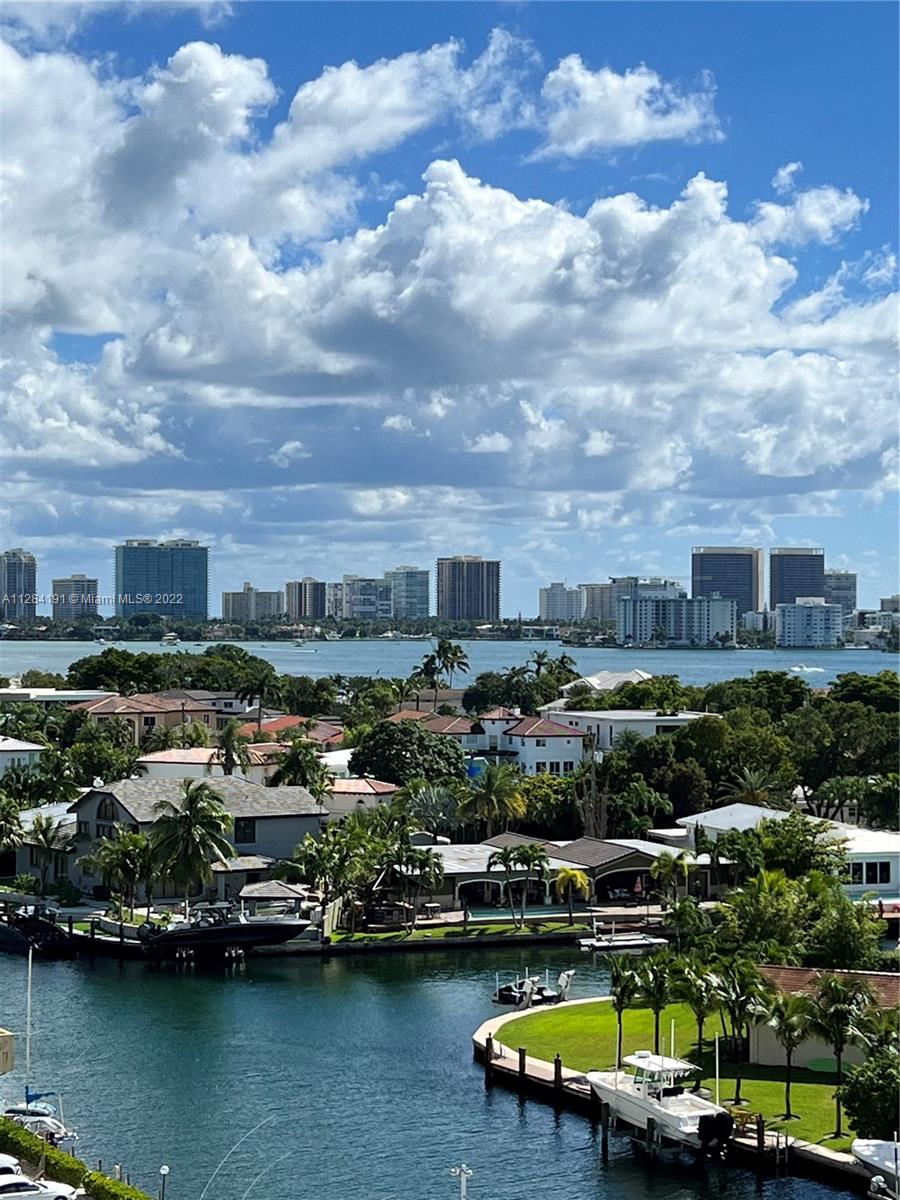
pixel 463 1174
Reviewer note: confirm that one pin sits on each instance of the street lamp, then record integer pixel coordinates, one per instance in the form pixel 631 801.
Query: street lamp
pixel 163 1172
pixel 463 1174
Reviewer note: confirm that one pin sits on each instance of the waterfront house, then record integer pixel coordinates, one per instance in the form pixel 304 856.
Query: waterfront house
pixel 323 733
pixel 602 682
pixel 199 762
pixel 28 859
pixel 16 753
pixel 145 712
pixel 354 794
pixel 226 704
pixel 605 725
pixel 268 822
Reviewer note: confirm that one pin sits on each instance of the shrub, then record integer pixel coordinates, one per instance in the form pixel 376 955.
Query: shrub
pixel 28 885
pixel 62 1167
pixel 66 893
pixel 869 1095
pixel 101 1187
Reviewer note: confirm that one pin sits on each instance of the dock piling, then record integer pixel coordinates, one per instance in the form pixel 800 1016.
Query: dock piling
pixel 604 1129
pixel 522 1067
pixel 651 1136
pixel 760 1134
pixel 557 1073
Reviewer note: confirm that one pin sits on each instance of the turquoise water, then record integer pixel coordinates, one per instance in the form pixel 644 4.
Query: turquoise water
pixel 398 658
pixel 360 1070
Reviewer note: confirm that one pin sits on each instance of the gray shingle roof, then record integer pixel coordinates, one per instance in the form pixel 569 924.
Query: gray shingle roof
pixel 240 797
pixel 591 852
pixel 502 840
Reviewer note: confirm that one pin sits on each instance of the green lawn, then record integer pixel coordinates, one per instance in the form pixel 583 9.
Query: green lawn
pixel 584 1036
pixel 474 932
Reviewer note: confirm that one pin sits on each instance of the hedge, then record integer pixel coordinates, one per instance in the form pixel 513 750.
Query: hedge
pixel 62 1167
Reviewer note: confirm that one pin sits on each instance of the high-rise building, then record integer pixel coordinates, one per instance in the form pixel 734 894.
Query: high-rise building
pixel 840 588
pixel 809 621
pixel 793 572
pixel 74 597
pixel 168 578
pixel 367 599
pixel 305 599
pixel 675 621
pixel 732 572
pixel 649 588
pixel 18 584
pixel 597 601
pixel 334 600
pixel 468 588
pixel 411 592
pixel 560 603
pixel 250 604
pixel 890 604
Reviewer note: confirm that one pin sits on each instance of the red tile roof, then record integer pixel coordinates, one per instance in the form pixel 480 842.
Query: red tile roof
pixel 322 732
pixel 884 985
pixel 142 702
pixel 499 714
pixel 410 714
pixel 455 726
pixel 362 787
pixel 538 727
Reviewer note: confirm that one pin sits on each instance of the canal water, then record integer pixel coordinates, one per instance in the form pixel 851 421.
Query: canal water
pixel 399 658
pixel 354 1074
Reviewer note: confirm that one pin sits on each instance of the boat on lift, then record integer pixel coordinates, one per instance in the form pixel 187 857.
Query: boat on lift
pixel 529 991
pixel 881 1160
pixel 655 1091
pixel 28 925
pixel 629 942
pixel 217 931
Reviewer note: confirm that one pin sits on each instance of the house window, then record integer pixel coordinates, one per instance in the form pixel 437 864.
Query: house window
pixel 540 768
pixel 554 768
pixel 568 768
pixel 149 722
pixel 856 872
pixel 106 831
pixel 878 872
pixel 540 741
pixel 245 830
pixel 84 829
pixel 106 809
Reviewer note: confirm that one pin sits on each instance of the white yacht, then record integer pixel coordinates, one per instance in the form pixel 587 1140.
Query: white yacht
pixel 655 1091
pixel 169 639
pixel 42 1120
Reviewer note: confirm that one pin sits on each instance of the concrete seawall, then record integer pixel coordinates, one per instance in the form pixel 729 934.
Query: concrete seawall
pixel 507 1064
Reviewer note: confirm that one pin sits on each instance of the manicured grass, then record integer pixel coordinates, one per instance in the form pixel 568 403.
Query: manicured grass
pixel 584 1036
pixel 474 932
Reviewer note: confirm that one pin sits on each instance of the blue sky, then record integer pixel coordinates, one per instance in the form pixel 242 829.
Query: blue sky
pixel 339 286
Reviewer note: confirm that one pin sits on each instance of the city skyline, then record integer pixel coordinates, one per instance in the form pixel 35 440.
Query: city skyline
pixel 312 290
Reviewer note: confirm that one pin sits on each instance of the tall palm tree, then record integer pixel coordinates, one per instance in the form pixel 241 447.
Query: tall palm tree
pixel 789 1016
pixel 695 987
pixel 232 753
pixel 431 806
pixel 118 731
pixel 624 987
pixel 48 838
pixel 668 870
pixel 301 766
pixel 742 992
pixel 120 861
pixel 159 737
pixel 11 832
pixel 430 674
pixel 423 870
pixel 540 660
pixel 568 881
pixel 533 857
pixel 751 785
pixel 655 985
pixel 262 685
pixel 451 658
pixel 508 859
pixel 496 797
pixel 877 1029
pixel 627 741
pixel 187 835
pixel 838 1006
pixel 191 734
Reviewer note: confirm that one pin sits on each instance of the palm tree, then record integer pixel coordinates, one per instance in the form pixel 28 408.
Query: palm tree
pixel 788 1015
pixel 838 1006
pixel 118 731
pixel 119 860
pixel 627 741
pixel 260 684
pixel 533 857
pixel 11 832
pixel 568 881
pixel 431 806
pixel 667 869
pixel 508 859
pixel 654 986
pixel 188 834
pixel 423 870
pixel 624 986
pixel 539 660
pixel 751 785
pixel 451 657
pixel 877 1029
pixel 159 737
pixel 430 674
pixel 191 734
pixel 742 992
pixel 695 987
pixel 48 838
pixel 496 797
pixel 301 766
pixel 231 753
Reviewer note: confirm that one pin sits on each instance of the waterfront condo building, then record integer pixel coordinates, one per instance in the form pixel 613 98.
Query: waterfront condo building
pixel 18 584
pixel 810 621
pixel 74 597
pixel 305 599
pixel 468 588
pixel 675 621
pixel 597 601
pixel 840 588
pixel 560 603
pixel 793 572
pixel 250 604
pixel 367 599
pixel 410 592
pixel 170 578
pixel 732 572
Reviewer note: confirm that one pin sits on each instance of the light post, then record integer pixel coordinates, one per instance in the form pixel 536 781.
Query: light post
pixel 163 1173
pixel 463 1174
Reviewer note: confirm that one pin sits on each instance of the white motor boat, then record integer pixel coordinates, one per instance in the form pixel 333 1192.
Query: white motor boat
pixel 879 1158
pixel 15 1186
pixel 655 1091
pixel 529 991
pixel 42 1120
pixel 803 669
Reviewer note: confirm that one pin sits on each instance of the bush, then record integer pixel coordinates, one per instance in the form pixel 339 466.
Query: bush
pixel 62 1167
pixel 101 1187
pixel 869 1095
pixel 28 885
pixel 66 893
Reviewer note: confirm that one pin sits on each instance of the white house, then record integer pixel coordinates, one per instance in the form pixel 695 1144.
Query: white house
pixel 15 753
pixel 605 725
pixel 604 681
pixel 351 795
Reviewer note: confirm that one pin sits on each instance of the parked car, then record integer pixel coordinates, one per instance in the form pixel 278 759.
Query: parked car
pixel 9 1165
pixel 20 1187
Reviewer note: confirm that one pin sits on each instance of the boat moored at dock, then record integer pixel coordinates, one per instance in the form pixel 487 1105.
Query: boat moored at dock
pixel 529 991
pixel 217 930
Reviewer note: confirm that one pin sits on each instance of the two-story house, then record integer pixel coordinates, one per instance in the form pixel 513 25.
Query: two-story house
pixel 145 712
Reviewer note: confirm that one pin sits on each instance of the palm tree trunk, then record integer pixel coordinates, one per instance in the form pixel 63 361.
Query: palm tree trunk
pixel 619 1015
pixel 571 912
pixel 656 1015
pixel 789 1055
pixel 839 1056
pixel 524 897
pixel 512 903
pixel 701 1021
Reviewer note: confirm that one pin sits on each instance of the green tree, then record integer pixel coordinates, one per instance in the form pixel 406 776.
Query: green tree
pixel 838 1005
pixel 668 870
pixel 533 857
pixel 48 837
pixel 232 753
pixel 430 673
pixel 789 1016
pixel 654 976
pixel 633 810
pixel 261 686
pixel 119 860
pixel 881 691
pixel 624 988
pixel 495 798
pixel 301 766
pixel 881 803
pixel 844 936
pixel 550 805
pixel 431 806
pixel 303 696
pixel 568 881
pixel 507 858
pixel 753 786
pixel 188 835
pixel 451 658
pixel 742 993
pixel 694 986
pixel 397 752
pixel 424 871
pixel 11 832
pixel 869 1095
